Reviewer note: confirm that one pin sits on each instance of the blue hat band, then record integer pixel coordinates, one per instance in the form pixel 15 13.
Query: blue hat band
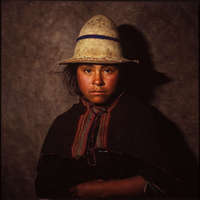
pixel 97 37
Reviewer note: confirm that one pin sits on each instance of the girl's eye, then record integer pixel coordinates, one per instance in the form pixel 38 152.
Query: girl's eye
pixel 87 71
pixel 108 70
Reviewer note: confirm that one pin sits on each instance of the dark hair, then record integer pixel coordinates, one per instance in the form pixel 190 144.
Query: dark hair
pixel 70 80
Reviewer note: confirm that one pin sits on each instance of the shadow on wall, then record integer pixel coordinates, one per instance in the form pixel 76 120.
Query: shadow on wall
pixel 141 82
pixel 142 79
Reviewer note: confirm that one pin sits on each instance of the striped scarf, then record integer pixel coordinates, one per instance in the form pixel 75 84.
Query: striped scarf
pixel 95 119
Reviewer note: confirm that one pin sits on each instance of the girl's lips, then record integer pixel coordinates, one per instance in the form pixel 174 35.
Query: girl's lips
pixel 96 92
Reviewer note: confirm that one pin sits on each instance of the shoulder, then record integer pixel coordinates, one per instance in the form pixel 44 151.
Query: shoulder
pixel 133 109
pixel 61 131
pixel 134 120
pixel 70 115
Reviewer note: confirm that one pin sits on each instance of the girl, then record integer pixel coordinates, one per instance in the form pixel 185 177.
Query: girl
pixel 106 146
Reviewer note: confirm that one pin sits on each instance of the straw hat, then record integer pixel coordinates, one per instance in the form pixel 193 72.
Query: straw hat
pixel 98 42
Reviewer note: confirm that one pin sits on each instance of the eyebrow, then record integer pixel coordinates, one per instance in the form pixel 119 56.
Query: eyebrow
pixel 102 66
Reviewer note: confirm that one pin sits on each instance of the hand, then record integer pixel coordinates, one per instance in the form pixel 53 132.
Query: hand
pixel 132 186
pixel 91 189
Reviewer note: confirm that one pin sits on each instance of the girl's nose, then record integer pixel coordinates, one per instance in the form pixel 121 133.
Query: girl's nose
pixel 98 79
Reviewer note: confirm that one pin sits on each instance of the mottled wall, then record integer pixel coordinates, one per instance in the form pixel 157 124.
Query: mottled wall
pixel 36 34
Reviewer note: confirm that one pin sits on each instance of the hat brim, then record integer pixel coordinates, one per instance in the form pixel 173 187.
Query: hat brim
pixel 98 61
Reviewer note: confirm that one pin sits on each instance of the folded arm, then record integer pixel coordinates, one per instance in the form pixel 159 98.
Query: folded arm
pixel 122 187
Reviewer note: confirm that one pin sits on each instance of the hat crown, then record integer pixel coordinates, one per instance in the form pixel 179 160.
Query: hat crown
pixel 99 25
pixel 98 41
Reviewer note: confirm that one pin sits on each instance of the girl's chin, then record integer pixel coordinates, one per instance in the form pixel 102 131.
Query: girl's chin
pixel 98 99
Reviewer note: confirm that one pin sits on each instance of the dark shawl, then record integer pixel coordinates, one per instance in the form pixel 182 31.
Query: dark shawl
pixel 134 129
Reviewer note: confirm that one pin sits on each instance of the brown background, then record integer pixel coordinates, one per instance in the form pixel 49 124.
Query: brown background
pixel 36 34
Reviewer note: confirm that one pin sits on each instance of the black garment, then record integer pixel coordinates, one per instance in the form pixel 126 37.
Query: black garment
pixel 133 130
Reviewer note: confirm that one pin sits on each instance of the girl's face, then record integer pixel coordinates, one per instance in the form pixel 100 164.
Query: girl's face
pixel 97 82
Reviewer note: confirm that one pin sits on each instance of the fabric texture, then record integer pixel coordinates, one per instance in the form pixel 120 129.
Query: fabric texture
pixel 132 130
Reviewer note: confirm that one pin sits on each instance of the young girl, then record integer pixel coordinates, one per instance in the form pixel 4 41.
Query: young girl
pixel 106 146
